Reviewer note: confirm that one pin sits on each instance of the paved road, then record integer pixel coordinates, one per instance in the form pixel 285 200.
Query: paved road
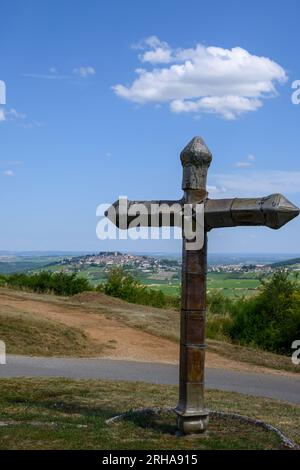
pixel 265 385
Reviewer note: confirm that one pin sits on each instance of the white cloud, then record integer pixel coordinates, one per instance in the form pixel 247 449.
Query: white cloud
pixel 11 115
pixel 248 162
pixel 227 106
pixel 84 72
pixel 156 51
pixel 227 82
pixel 8 173
pixel 257 183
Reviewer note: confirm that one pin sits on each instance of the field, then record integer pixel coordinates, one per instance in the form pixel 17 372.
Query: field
pixel 234 285
pixel 66 414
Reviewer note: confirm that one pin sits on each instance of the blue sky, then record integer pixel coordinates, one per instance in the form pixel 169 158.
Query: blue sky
pixel 82 124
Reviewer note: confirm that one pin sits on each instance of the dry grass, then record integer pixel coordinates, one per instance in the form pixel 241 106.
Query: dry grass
pixel 253 356
pixel 26 334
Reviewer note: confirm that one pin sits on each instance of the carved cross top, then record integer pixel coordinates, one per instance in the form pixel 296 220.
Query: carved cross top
pixel 272 211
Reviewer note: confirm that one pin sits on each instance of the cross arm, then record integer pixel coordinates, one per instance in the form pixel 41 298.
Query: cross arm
pixel 156 213
pixel 272 211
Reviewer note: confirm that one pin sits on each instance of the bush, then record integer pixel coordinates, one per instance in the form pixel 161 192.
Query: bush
pixel 271 320
pixel 218 317
pixel 47 282
pixel 124 286
pixel 217 326
pixel 218 303
pixel 2 280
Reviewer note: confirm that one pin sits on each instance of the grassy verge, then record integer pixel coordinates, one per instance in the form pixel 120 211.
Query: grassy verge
pixel 66 414
pixel 26 334
pixel 253 356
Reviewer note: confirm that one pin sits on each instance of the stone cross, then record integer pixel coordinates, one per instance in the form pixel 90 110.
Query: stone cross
pixel 272 211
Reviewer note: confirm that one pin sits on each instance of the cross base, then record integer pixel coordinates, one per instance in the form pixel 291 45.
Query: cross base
pixel 192 423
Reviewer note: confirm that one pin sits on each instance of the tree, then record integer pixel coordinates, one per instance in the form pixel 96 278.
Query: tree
pixel 271 320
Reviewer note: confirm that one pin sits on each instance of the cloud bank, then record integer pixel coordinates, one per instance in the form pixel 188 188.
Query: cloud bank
pixel 227 82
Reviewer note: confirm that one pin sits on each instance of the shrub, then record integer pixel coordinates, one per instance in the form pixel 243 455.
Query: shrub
pixel 271 320
pixel 217 326
pixel 218 303
pixel 47 282
pixel 124 286
pixel 218 318
pixel 2 280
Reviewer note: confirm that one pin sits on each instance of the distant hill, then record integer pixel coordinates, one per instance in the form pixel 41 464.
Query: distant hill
pixel 21 264
pixel 285 264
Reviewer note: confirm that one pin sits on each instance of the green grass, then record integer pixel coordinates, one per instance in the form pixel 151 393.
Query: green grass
pixel 66 414
pixel 169 289
pixel 232 286
pixel 236 286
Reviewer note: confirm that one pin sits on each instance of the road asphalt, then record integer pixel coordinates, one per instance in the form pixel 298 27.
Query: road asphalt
pixel 280 387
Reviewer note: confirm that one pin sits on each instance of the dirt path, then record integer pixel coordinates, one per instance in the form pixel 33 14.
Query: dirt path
pixel 121 341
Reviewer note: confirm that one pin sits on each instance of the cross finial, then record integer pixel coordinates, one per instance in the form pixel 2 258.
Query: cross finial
pixel 195 159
